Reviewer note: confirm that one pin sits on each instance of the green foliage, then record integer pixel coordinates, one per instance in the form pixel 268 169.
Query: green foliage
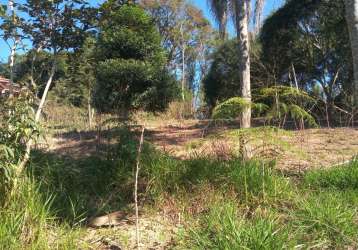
pixel 222 80
pixel 341 178
pixel 17 126
pixel 252 181
pixel 286 102
pixel 233 107
pixel 183 29
pixel 308 41
pixel 76 86
pixel 326 221
pixel 28 71
pixel 57 25
pixel 230 109
pixel 274 103
pixel 27 222
pixel 131 72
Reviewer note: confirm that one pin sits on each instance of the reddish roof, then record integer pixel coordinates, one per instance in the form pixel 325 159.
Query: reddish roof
pixel 5 86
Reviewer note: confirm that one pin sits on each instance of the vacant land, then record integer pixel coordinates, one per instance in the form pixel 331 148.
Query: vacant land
pixel 292 149
pixel 193 185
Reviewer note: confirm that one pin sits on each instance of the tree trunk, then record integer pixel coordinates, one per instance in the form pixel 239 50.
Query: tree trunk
pixel 222 25
pixel 244 57
pixel 24 161
pixel 15 41
pixel 12 59
pixel 34 57
pixel 183 48
pixel 183 74
pixel 89 107
pixel 352 21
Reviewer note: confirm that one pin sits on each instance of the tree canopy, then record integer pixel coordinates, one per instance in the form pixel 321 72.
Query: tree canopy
pixel 131 69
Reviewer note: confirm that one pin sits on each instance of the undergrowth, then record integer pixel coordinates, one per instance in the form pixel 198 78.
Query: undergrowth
pixel 226 204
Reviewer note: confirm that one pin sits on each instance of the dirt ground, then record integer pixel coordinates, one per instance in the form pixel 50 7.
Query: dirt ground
pixel 293 150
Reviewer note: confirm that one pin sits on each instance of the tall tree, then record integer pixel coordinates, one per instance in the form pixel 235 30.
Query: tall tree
pixel 54 26
pixel 131 71
pixel 352 21
pixel 239 9
pixel 186 35
pixel 10 24
pixel 220 12
pixel 306 44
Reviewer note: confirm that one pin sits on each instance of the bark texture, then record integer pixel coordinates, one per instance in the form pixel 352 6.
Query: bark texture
pixel 352 21
pixel 242 22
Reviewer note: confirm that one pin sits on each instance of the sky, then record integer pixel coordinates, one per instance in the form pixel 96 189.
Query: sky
pixel 270 6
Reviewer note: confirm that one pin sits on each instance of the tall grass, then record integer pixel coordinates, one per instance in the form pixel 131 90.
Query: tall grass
pixel 225 227
pixel 247 205
pixel 339 178
pixel 326 221
pixel 27 222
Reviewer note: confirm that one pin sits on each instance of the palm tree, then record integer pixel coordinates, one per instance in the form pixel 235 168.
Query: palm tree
pixel 239 10
pixel 219 9
pixel 352 21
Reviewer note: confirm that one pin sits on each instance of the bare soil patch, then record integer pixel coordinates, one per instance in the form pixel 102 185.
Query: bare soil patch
pixel 293 150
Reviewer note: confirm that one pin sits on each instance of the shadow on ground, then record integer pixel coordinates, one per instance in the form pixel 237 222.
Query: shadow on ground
pixel 82 187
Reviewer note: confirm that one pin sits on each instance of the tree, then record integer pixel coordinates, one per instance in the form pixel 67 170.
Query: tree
pixel 10 32
pixel 131 70
pixel 352 21
pixel 81 77
pixel 306 44
pixel 187 36
pixel 54 26
pixel 223 79
pixel 240 11
pixel 34 73
pixel 220 12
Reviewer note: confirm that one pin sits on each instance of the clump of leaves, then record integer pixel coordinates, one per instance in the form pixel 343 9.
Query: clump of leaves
pixel 233 107
pixel 274 103
pixel 285 102
pixel 17 126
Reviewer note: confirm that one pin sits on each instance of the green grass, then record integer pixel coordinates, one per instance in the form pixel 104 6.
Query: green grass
pixel 311 216
pixel 326 220
pixel 225 204
pixel 27 222
pixel 339 178
pixel 226 227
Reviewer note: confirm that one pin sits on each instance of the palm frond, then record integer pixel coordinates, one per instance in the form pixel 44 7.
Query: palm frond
pixel 231 108
pixel 219 9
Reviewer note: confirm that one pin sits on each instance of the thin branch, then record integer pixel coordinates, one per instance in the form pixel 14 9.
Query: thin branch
pixel 136 186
